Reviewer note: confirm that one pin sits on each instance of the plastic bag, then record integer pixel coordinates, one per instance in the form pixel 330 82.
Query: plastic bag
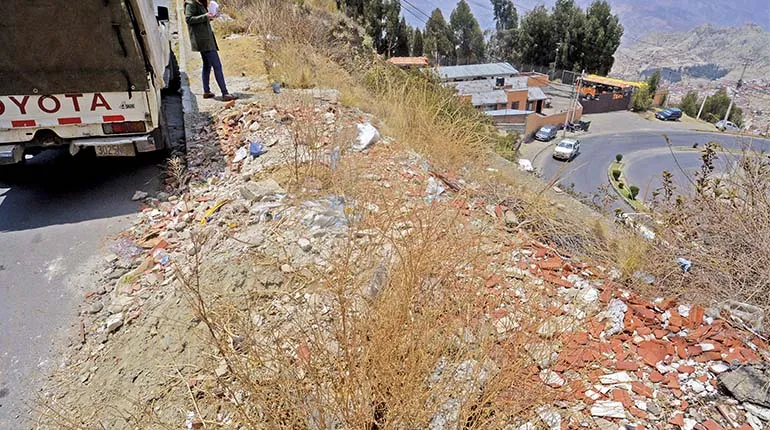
pixel 367 136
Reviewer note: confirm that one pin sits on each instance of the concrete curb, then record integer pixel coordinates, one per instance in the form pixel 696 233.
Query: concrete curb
pixel 188 105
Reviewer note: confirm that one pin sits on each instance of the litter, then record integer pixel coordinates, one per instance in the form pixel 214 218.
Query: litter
pixel 434 189
pixel 526 165
pixel 367 136
pixel 684 264
pixel 241 154
pixel 256 148
pixel 210 213
pixel 276 87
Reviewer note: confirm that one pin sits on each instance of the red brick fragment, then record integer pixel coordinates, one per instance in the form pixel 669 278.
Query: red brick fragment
pixel 644 313
pixel 638 413
pixel 641 389
pixel 672 381
pixel 656 377
pixel 659 334
pixel 696 315
pixel 677 419
pixel 686 369
pixel 627 365
pixel 622 396
pixel 652 351
pixel 712 425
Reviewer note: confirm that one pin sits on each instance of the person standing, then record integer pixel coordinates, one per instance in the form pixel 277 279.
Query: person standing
pixel 202 40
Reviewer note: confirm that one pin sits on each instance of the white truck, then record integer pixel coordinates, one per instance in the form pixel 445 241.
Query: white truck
pixel 84 74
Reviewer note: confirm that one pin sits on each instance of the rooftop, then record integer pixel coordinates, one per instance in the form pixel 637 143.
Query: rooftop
pixel 507 112
pixel 474 71
pixel 603 80
pixel 410 61
pixel 484 85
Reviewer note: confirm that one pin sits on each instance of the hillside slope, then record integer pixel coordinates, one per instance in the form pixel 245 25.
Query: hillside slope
pixel 707 52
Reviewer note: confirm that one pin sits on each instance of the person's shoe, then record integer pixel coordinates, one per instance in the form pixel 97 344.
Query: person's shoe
pixel 228 97
pixel 209 95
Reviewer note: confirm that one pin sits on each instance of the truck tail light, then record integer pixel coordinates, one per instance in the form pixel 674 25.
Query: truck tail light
pixel 124 127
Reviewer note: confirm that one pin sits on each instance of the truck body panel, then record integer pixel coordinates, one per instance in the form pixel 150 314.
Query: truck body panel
pixel 68 68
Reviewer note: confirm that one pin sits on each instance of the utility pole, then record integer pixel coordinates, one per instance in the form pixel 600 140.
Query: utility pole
pixel 737 87
pixel 552 75
pixel 577 96
pixel 573 104
pixel 700 111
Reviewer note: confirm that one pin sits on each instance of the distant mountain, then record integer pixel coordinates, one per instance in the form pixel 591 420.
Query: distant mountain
pixel 639 17
pixel 705 52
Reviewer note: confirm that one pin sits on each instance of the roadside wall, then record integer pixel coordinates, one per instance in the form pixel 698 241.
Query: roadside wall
pixel 608 102
pixel 535 121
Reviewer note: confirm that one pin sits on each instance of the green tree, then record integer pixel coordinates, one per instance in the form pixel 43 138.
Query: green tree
pixel 468 37
pixel 503 42
pixel 653 82
pixel 641 100
pixel 568 24
pixel 535 44
pixel 401 46
pixel 437 39
pixel 601 38
pixel 417 43
pixel 690 104
pixel 716 107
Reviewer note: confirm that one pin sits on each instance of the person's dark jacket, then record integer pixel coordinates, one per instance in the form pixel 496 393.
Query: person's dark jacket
pixel 201 35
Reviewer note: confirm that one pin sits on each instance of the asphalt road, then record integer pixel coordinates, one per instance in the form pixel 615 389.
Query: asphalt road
pixel 57 215
pixel 645 155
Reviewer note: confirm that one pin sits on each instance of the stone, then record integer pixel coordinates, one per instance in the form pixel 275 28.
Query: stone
pixel 267 189
pixel 221 370
pixel 758 411
pixel 505 324
pixel 114 322
pixel 139 195
pixel 696 386
pixel 608 409
pixel 551 378
pixel 556 325
pixel 750 315
pixel 543 353
pixel 617 312
pixel 304 244
pixel 511 220
pixel 255 126
pixel 719 368
pixel 615 378
pixel 689 424
pixel 95 307
pixel 749 383
pixel 551 418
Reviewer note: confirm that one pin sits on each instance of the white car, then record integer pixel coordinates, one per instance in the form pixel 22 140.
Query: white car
pixel 726 126
pixel 567 149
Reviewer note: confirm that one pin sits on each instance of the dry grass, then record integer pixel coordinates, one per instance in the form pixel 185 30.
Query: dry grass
pixel 723 228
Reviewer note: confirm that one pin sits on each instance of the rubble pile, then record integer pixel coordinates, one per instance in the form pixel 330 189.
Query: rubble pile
pixel 259 186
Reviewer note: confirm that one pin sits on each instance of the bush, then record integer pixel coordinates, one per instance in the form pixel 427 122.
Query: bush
pixel 634 190
pixel 615 174
pixel 689 104
pixel 619 158
pixel 642 100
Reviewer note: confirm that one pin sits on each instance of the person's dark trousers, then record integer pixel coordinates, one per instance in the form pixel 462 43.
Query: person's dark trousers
pixel 211 60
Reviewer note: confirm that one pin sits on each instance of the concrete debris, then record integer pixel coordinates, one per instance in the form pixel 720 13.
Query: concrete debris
pixel 616 312
pixel 750 383
pixel 266 190
pixel 139 195
pixel 113 323
pixel 368 135
pixel 608 409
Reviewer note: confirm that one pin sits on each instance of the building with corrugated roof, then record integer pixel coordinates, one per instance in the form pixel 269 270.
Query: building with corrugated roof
pixel 473 72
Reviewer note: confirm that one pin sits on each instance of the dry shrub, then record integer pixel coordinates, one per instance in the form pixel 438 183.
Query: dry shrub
pixel 723 227
pixel 392 335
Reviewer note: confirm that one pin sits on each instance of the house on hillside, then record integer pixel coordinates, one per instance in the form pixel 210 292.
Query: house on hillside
pixel 513 100
pixel 410 62
pixel 475 72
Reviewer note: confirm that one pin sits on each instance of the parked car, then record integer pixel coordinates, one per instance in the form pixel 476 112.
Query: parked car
pixel 567 149
pixel 546 133
pixel 671 114
pixel 726 126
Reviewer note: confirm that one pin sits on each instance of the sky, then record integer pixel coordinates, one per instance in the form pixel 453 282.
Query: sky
pixel 482 9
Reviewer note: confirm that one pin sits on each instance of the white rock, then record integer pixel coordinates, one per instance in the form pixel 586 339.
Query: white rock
pixel 589 295
pixel 549 377
pixel 255 126
pixel 114 322
pixel 689 424
pixel 615 378
pixel 718 368
pixel 617 313
pixel 605 408
pixel 367 136
pixel 505 324
pixel 139 195
pixel 304 244
pixel 707 347
pixel 754 422
pixel 696 386
pixel 550 417
pixel 758 411
pixel 593 395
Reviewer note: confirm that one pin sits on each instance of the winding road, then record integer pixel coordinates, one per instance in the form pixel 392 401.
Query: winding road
pixel 645 156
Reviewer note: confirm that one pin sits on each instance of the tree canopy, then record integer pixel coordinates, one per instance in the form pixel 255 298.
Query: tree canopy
pixel 468 38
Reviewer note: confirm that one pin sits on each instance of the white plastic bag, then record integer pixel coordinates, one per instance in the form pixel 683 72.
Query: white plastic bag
pixel 367 136
pixel 214 8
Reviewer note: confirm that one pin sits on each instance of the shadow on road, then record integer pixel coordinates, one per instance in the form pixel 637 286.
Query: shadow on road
pixel 54 188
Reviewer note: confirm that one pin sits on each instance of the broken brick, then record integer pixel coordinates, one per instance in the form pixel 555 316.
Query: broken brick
pixel 677 419
pixel 656 377
pixel 686 369
pixel 652 352
pixel 712 425
pixel 641 389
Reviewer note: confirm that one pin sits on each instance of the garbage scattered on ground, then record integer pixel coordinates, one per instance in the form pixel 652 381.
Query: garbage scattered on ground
pixel 367 136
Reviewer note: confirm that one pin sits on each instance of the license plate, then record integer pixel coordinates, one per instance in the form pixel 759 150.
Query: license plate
pixel 123 150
